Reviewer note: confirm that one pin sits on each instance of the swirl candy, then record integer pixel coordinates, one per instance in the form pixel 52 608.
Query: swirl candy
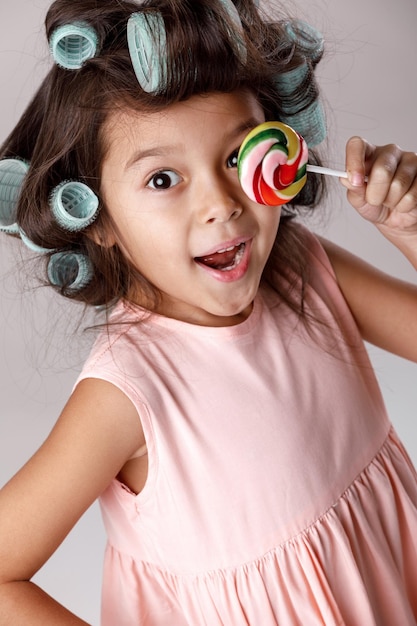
pixel 272 164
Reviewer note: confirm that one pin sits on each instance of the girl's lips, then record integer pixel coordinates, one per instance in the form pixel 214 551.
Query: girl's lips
pixel 224 246
pixel 228 263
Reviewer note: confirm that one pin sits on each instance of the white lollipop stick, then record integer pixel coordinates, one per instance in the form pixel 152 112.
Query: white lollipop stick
pixel 318 169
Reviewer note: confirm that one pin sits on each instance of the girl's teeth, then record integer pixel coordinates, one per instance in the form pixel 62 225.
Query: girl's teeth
pixel 225 259
pixel 238 258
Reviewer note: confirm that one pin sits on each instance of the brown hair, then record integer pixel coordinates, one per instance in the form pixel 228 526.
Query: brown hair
pixel 60 132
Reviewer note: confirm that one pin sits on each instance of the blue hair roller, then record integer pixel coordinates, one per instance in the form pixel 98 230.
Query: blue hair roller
pixel 70 270
pixel 12 176
pixel 305 116
pixel 73 44
pixel 74 205
pixel 308 121
pixel 33 247
pixel 309 40
pixel 237 34
pixel 146 38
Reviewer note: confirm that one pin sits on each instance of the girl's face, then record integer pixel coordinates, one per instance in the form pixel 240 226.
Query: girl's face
pixel 170 183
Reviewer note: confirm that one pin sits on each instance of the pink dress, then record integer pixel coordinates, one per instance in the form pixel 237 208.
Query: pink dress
pixel 278 492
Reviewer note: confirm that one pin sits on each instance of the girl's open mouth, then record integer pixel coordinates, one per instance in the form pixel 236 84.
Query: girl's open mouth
pixel 228 264
pixel 224 260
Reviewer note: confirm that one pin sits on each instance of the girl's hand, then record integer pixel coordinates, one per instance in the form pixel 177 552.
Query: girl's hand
pixel 389 197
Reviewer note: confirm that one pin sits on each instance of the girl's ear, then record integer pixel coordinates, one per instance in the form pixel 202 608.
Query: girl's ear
pixel 101 234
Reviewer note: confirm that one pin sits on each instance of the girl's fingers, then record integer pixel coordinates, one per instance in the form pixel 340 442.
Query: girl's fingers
pixel 402 193
pixel 386 176
pixel 391 177
pixel 358 152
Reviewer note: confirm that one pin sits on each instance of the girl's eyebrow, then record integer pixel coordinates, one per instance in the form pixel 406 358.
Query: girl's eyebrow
pixel 139 155
pixel 246 126
pixel 153 151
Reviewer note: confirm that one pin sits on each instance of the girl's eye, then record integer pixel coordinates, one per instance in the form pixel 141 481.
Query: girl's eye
pixel 164 180
pixel 232 159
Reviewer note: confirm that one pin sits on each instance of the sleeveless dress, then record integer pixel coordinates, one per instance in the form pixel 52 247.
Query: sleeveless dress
pixel 278 492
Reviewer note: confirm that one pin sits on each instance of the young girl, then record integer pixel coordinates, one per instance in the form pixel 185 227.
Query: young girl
pixel 228 417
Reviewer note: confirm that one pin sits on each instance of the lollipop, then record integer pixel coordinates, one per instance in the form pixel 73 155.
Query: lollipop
pixel 272 164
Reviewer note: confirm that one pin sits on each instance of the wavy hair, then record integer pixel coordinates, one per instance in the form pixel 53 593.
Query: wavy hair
pixel 60 135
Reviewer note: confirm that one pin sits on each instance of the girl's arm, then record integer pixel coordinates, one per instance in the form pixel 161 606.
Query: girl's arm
pixel 385 308
pixel 97 432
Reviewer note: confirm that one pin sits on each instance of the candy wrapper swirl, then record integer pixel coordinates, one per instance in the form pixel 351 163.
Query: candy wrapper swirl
pixel 272 164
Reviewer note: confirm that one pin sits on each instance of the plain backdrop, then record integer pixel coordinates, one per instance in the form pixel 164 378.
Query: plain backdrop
pixel 368 81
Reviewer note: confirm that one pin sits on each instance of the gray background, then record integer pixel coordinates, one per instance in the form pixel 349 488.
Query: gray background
pixel 368 79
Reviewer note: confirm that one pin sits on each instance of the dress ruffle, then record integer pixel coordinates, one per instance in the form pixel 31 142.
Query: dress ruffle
pixel 352 567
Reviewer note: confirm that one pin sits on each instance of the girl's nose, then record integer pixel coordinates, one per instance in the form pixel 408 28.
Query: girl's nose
pixel 218 202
